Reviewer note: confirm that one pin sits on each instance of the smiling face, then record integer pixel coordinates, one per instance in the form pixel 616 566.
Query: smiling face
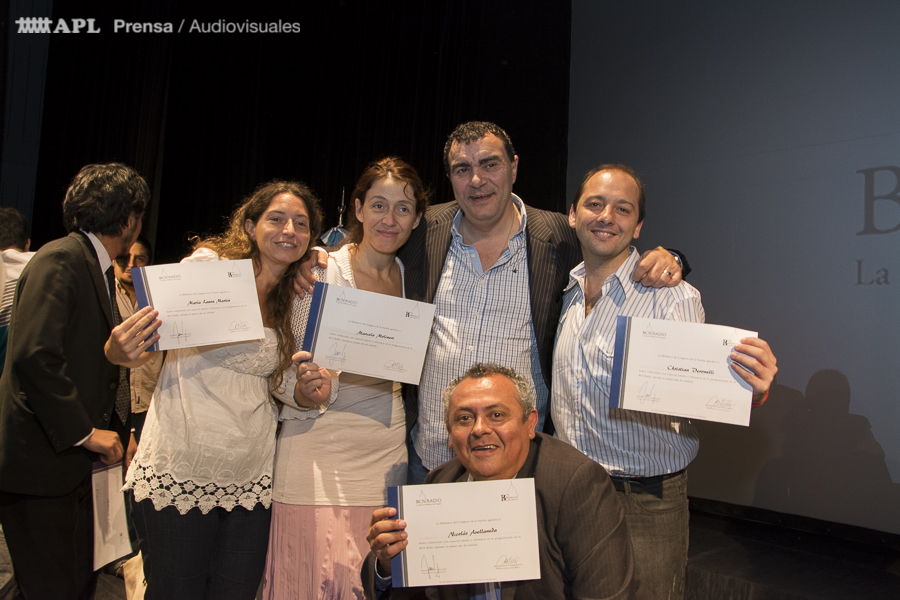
pixel 138 256
pixel 388 215
pixel 605 218
pixel 488 430
pixel 282 232
pixel 482 177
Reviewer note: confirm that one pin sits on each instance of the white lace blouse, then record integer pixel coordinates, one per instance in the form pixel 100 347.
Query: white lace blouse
pixel 209 438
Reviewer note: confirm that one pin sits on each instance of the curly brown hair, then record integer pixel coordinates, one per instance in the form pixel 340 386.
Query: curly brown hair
pixel 236 244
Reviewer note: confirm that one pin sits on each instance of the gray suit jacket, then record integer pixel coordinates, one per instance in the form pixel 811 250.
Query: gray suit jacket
pixel 57 383
pixel 584 544
pixel 553 251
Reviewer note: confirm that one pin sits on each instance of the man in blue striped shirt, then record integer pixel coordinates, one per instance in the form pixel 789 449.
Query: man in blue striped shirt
pixel 494 267
pixel 645 454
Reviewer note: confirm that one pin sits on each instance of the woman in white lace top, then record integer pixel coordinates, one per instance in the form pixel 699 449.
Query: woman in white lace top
pixel 338 453
pixel 202 475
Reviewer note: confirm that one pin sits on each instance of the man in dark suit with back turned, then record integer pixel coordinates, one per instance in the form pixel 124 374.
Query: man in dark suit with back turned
pixel 58 408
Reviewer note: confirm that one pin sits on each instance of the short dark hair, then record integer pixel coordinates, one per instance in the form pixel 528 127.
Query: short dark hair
pixel 475 130
pixel 395 168
pixel 13 229
pixel 642 203
pixel 102 197
pixel 482 370
pixel 147 246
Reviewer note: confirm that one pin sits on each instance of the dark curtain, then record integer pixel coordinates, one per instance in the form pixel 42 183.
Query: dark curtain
pixel 206 117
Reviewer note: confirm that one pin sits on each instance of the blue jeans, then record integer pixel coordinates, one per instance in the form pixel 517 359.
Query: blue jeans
pixel 657 518
pixel 417 470
pixel 218 556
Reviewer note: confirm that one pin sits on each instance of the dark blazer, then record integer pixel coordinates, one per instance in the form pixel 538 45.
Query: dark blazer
pixel 584 544
pixel 57 383
pixel 553 251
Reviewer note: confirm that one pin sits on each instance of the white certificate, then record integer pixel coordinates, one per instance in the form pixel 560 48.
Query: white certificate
pixel 681 369
pixel 469 532
pixel 201 303
pixel 111 539
pixel 368 333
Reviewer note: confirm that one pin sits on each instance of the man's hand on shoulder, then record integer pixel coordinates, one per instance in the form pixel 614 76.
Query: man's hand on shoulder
pixel 105 443
pixel 304 280
pixel 386 537
pixel 657 268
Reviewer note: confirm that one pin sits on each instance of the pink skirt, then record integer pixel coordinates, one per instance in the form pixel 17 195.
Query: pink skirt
pixel 316 552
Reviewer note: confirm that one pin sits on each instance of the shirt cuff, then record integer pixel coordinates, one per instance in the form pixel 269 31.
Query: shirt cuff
pixel 763 401
pixel 381 582
pixel 87 437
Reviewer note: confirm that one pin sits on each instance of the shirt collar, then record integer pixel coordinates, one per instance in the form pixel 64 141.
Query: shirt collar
pixel 100 249
pixel 520 206
pixel 622 275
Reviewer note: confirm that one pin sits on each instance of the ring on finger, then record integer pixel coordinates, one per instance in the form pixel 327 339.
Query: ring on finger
pixel 667 273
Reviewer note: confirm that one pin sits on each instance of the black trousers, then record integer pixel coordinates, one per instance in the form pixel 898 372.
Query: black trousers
pixel 51 543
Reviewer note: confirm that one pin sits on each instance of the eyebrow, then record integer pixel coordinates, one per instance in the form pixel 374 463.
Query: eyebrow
pixel 608 199
pixel 465 163
pixel 285 213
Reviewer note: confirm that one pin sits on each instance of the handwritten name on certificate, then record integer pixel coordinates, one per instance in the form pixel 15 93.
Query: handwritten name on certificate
pixel 468 532
pixel 367 333
pixel 681 369
pixel 201 303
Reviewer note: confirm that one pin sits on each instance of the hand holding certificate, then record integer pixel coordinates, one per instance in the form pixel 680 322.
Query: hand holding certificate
pixel 681 369
pixel 469 532
pixel 201 303
pixel 367 333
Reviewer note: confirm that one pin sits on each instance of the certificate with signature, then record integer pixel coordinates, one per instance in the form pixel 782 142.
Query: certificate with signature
pixel 468 532
pixel 367 333
pixel 681 369
pixel 201 303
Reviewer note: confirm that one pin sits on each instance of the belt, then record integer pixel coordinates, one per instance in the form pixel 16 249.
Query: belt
pixel 641 485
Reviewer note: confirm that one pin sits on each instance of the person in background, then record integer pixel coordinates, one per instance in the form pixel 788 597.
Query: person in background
pixel 337 455
pixel 142 379
pixel 202 475
pixel 15 243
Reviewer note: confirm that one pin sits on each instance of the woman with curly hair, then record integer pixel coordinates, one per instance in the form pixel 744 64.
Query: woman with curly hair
pixel 202 474
pixel 342 443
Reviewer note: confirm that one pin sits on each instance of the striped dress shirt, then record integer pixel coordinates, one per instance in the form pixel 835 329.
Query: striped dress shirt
pixel 480 316
pixel 627 443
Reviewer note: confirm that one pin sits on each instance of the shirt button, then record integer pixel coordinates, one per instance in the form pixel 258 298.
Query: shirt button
pixel 470 348
pixel 481 282
pixel 113 386
pixel 577 376
pixel 475 314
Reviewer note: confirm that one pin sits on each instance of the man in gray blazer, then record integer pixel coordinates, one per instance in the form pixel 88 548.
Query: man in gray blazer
pixel 496 269
pixel 58 410
pixel 583 542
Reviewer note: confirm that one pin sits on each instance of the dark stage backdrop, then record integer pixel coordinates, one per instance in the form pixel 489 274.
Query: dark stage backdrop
pixel 768 137
pixel 206 117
